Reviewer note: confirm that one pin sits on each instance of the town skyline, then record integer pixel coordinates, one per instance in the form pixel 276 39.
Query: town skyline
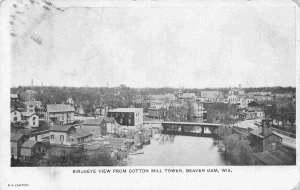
pixel 145 87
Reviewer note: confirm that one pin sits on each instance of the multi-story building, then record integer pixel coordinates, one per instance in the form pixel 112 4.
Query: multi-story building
pixel 198 111
pixel 233 99
pixel 127 116
pixel 15 116
pixel 31 119
pixel 59 114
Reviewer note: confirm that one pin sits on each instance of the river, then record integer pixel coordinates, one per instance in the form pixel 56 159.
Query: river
pixel 170 150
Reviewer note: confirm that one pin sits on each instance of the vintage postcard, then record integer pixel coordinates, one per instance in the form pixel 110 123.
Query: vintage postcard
pixel 149 94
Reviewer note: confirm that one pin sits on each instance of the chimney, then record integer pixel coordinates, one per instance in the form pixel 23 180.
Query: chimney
pixel 266 128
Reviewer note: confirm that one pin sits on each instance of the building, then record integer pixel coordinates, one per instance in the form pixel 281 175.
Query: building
pixel 59 114
pixel 101 110
pixel 212 96
pixel 30 149
pixel 272 158
pixel 198 110
pixel 16 141
pixel 263 139
pixel 127 116
pixel 30 118
pixel 99 127
pixel 31 106
pixel 15 116
pixel 68 135
pixel 159 104
pixel 156 113
pixel 233 99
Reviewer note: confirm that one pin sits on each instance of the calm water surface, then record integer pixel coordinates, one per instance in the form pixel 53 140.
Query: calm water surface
pixel 169 150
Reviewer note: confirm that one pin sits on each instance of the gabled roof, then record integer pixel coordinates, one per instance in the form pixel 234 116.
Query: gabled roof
pixel 16 136
pixel 27 114
pixel 29 144
pixel 60 108
pixel 62 128
pixel 14 109
pixel 80 133
pixel 98 121
pixel 267 158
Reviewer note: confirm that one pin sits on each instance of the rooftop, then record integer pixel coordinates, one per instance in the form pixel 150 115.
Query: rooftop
pixel 98 121
pixel 80 133
pixel 27 114
pixel 63 128
pixel 16 136
pixel 60 108
pixel 273 158
pixel 126 110
pixel 29 144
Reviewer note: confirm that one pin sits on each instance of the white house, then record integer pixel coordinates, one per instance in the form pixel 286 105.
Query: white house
pixel 59 114
pixel 15 116
pixel 31 118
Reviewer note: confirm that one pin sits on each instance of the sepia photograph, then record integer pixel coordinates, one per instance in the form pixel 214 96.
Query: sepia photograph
pixel 111 84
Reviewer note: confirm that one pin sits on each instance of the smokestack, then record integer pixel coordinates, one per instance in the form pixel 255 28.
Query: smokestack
pixel 266 128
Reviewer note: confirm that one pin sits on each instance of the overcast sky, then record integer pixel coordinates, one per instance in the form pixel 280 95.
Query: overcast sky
pixel 158 47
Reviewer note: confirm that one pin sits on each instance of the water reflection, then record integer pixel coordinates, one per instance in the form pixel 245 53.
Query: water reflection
pixel 171 150
pixel 165 138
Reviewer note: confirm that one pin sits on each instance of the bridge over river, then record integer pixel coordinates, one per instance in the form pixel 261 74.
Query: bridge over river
pixel 190 128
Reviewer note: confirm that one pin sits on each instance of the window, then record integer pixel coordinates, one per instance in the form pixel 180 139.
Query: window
pixel 52 137
pixel 15 119
pixel 15 113
pixel 33 123
pixel 33 118
pixel 272 146
pixel 62 138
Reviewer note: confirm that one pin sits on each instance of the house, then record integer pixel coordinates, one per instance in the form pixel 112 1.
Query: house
pixel 59 114
pixel 15 116
pixel 276 157
pixel 101 110
pixel 98 127
pixel 157 113
pixel 30 118
pixel 159 104
pixel 16 141
pixel 30 149
pixel 127 116
pixel 263 139
pixel 68 135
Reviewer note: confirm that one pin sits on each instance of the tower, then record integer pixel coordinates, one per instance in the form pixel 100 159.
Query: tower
pixel 32 84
